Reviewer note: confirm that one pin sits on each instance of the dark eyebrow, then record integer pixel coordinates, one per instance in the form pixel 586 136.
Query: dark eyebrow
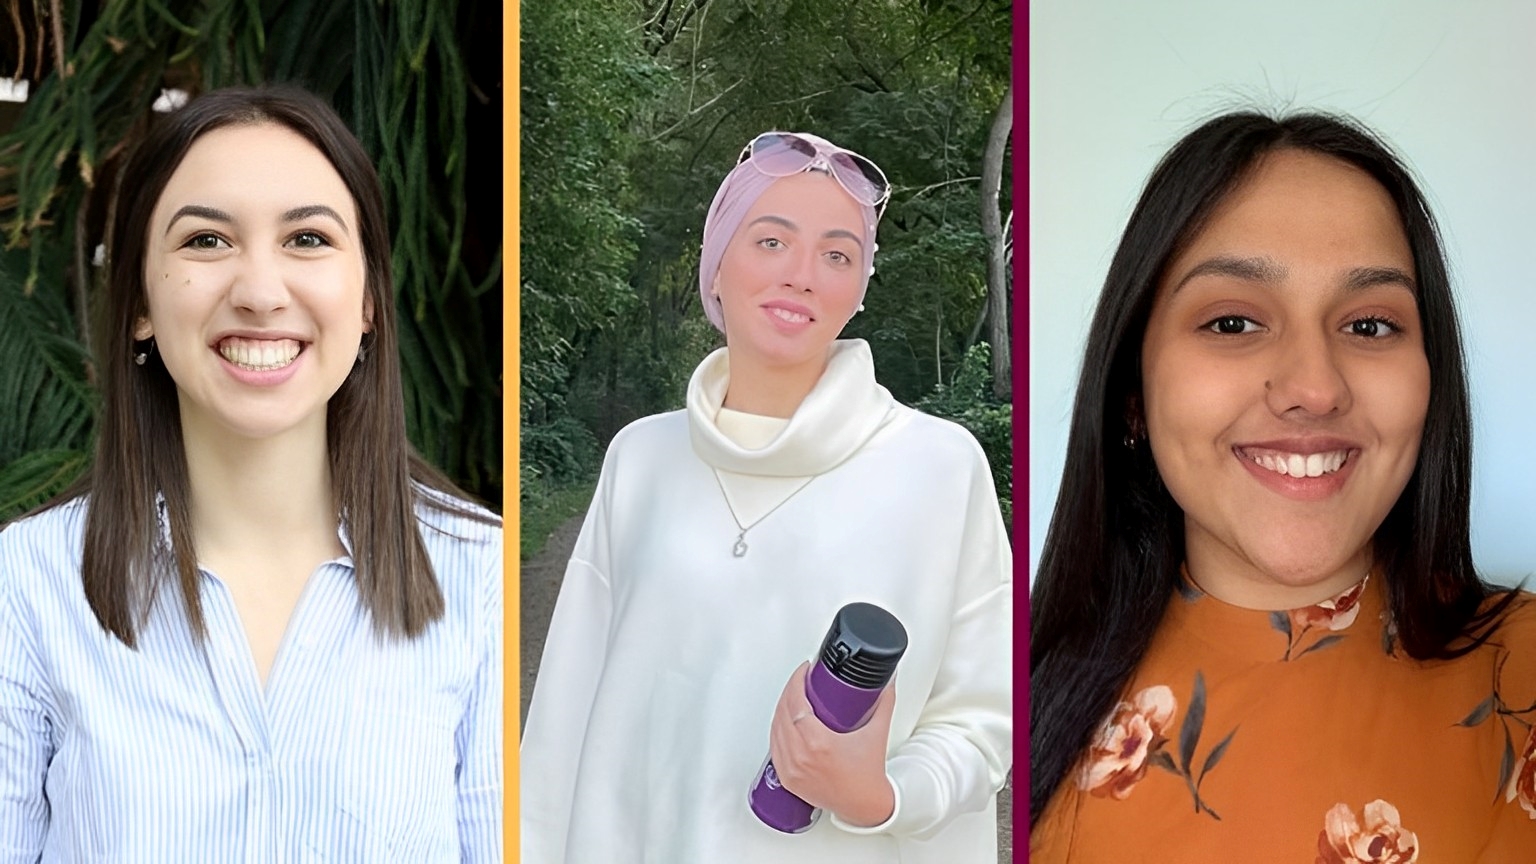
pixel 1266 272
pixel 300 213
pixel 1261 270
pixel 295 215
pixel 838 232
pixel 200 211
pixel 1370 277
pixel 835 232
pixel 777 220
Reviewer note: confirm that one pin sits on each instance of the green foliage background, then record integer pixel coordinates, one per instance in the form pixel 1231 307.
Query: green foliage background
pixel 632 112
pixel 417 80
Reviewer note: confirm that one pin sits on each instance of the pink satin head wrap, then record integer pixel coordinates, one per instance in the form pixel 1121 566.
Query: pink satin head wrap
pixel 738 192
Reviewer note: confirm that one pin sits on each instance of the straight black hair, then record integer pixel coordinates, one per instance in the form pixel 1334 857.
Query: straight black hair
pixel 1116 539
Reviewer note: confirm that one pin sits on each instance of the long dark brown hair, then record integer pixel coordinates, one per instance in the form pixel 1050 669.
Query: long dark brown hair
pixel 140 463
pixel 1116 540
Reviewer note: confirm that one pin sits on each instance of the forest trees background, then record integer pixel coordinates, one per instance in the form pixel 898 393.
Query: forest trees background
pixel 633 110
pixel 417 80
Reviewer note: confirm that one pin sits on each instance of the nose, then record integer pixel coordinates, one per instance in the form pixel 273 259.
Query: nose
pixel 1307 377
pixel 259 284
pixel 800 270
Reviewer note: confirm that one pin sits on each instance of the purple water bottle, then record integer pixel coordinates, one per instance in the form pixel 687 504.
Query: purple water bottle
pixel 858 658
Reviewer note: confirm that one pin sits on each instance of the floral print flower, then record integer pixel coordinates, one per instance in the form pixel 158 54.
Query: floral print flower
pixel 1517 768
pixel 1522 783
pixel 1335 614
pixel 1117 758
pixel 1382 840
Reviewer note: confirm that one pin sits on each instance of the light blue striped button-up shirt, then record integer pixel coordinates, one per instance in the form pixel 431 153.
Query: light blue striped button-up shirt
pixel 358 749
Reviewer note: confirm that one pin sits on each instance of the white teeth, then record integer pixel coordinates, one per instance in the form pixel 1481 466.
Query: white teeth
pixel 259 355
pixel 792 317
pixel 1297 465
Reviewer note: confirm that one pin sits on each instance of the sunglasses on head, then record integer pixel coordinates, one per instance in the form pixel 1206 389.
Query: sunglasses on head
pixel 780 154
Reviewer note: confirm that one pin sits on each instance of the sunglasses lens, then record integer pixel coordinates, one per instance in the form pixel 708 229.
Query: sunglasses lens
pixel 779 155
pixel 861 178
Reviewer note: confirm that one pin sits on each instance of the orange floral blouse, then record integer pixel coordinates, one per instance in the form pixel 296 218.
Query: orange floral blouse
pixel 1307 736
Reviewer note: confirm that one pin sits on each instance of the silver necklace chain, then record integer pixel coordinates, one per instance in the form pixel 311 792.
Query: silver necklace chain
pixel 739 549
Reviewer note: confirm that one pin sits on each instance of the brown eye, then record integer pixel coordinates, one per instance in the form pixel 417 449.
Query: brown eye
pixel 1231 325
pixel 1372 328
pixel 205 242
pixel 309 240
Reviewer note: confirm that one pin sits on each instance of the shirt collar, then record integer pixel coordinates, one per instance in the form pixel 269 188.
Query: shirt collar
pixel 163 529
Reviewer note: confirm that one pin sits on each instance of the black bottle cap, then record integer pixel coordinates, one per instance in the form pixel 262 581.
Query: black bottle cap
pixel 863 645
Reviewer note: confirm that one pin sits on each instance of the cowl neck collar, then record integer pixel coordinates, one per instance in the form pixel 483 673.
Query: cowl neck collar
pixel 843 411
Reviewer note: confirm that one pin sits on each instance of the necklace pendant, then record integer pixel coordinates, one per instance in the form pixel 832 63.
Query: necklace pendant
pixel 740 549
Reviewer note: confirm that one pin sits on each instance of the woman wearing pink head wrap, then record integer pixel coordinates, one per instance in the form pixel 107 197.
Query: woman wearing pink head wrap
pixel 724 537
pixel 738 192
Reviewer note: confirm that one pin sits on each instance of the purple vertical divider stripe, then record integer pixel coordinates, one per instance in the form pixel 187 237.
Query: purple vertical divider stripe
pixel 1020 349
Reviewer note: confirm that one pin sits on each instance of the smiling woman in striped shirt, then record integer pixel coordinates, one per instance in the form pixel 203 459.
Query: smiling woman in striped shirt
pixel 260 628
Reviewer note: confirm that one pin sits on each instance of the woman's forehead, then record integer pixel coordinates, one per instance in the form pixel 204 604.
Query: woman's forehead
pixel 263 166
pixel 809 197
pixel 1296 210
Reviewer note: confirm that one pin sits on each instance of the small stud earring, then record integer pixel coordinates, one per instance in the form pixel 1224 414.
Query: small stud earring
pixel 142 348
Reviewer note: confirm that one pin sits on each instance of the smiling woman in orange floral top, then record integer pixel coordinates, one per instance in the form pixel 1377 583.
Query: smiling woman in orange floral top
pixel 1257 631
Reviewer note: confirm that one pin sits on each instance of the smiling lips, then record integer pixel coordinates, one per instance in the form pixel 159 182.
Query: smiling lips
pixel 1314 476
pixel 789 315
pixel 1298 464
pixel 259 355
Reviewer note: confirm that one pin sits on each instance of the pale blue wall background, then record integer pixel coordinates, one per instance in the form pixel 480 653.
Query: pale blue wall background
pixel 1452 85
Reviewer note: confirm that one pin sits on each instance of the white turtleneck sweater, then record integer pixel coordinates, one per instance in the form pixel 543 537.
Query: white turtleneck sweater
pixel 666 653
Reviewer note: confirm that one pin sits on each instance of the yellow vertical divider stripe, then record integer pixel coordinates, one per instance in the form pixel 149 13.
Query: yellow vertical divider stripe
pixel 511 398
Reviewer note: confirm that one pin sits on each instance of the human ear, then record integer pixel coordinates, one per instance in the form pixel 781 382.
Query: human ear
pixel 143 329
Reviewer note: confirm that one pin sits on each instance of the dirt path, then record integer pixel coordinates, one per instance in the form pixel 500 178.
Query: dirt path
pixel 541 577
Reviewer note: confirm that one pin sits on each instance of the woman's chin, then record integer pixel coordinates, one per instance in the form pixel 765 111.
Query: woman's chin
pixel 1287 581
pixel 782 354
